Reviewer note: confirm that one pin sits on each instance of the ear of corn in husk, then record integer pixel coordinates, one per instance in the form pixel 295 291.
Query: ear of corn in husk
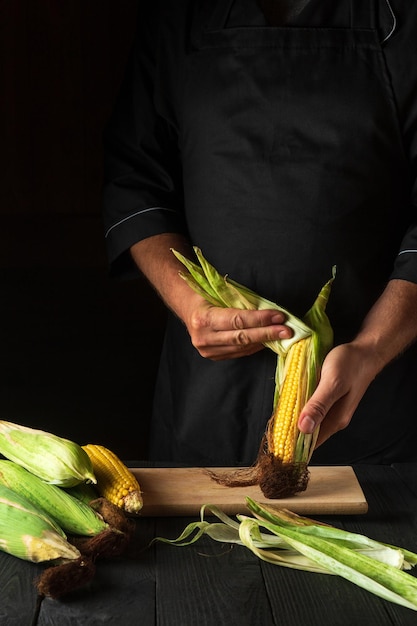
pixel 28 533
pixel 286 452
pixel 72 515
pixel 86 492
pixel 115 481
pixel 281 468
pixel 35 515
pixel 56 460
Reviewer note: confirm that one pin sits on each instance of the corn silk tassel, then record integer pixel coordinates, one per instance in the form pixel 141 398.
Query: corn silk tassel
pixel 281 468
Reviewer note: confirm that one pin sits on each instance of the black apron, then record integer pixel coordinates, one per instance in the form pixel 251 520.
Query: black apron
pixel 293 162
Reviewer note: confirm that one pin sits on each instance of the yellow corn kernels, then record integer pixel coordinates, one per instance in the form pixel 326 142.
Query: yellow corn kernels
pixel 283 432
pixel 115 481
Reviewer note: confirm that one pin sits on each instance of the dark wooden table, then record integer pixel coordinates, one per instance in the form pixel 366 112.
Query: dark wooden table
pixel 212 584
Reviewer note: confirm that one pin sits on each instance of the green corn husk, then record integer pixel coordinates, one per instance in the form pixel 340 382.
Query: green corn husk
pixel 278 477
pixel 28 533
pixel 56 460
pixel 72 515
pixel 84 492
pixel 283 538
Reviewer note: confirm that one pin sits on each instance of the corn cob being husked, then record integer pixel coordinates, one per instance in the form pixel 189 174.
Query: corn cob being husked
pixel 56 460
pixel 115 481
pixel 28 533
pixel 72 515
pixel 286 452
pixel 281 469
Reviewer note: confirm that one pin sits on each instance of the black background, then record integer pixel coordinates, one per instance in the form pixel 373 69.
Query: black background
pixel 78 350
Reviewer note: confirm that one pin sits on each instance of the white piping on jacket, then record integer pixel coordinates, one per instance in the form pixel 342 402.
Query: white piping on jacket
pixel 154 208
pixel 394 22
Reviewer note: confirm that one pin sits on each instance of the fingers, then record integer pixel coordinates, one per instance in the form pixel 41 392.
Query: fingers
pixel 314 413
pixel 330 400
pixel 336 416
pixel 344 380
pixel 227 319
pixel 219 333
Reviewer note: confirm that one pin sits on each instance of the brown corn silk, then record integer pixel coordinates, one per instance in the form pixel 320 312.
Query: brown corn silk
pixel 62 578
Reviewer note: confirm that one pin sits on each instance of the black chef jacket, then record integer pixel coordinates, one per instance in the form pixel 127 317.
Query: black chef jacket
pixel 280 148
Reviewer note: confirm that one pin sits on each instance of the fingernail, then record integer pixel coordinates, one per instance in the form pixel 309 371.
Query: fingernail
pixel 277 319
pixel 308 424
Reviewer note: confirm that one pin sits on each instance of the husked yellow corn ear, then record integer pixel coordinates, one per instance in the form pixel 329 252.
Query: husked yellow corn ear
pixel 115 481
pixel 29 533
pixel 56 460
pixel 283 432
pixel 297 376
pixel 73 516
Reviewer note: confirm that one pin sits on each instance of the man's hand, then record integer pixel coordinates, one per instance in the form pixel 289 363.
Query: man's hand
pixel 217 333
pixel 346 374
pixel 224 333
pixel 348 370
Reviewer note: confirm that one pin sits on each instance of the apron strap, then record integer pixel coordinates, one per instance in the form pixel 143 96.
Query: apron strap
pixel 211 16
pixel 278 12
pixel 375 14
pixel 220 13
pixel 362 13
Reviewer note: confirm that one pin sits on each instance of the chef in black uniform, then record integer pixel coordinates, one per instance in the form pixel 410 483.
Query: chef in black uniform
pixel 280 137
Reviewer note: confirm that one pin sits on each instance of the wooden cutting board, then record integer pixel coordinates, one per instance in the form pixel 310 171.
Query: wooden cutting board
pixel 182 491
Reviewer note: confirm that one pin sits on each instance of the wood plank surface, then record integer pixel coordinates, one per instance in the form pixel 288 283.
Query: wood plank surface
pixel 212 584
pixel 408 473
pixel 391 518
pixel 182 491
pixel 18 596
pixel 122 592
pixel 208 583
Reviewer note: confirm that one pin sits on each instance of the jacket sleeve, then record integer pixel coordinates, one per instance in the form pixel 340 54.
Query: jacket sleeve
pixel 142 191
pixel 400 52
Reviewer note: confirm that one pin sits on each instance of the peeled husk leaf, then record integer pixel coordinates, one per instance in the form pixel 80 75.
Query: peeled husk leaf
pixel 281 537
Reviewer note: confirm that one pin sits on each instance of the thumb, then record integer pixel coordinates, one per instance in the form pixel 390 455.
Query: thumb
pixel 315 410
